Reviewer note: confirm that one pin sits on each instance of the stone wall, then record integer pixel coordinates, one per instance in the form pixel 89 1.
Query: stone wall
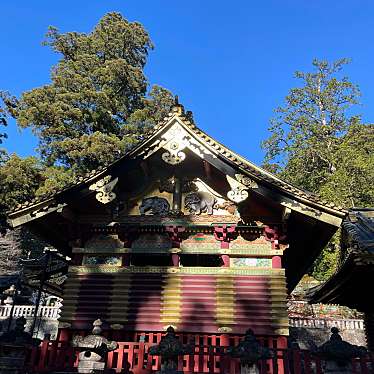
pixel 43 327
pixel 309 338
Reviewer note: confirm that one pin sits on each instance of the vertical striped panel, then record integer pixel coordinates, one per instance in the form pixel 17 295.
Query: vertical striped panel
pixel 120 299
pixel 225 300
pixel 252 304
pixel 171 299
pixel 280 320
pixel 198 303
pixel 144 298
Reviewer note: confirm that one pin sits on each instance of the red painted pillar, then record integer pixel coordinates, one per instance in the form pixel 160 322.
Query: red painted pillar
pixel 225 340
pixel 225 360
pixel 276 262
pixel 63 335
pixel 77 259
pixel 282 346
pixel 225 260
pixel 126 259
pixel 175 259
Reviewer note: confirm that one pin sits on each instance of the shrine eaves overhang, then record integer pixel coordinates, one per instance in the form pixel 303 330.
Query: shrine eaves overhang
pixel 356 265
pixel 179 152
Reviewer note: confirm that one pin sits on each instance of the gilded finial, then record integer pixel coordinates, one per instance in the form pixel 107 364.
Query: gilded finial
pixel 177 107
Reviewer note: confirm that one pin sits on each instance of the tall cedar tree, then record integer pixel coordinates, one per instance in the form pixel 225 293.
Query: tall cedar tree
pixel 317 144
pixel 96 106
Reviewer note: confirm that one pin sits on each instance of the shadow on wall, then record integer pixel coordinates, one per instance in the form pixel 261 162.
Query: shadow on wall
pixel 252 310
pixel 199 315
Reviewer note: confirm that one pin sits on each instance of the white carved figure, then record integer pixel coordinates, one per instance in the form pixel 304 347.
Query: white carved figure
pixel 200 202
pixel 238 192
pixel 104 188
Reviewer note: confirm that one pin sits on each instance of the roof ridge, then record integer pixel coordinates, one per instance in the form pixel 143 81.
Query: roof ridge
pixel 187 120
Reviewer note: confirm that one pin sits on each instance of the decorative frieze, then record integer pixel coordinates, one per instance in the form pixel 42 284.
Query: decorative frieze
pixel 150 242
pixel 190 248
pixel 103 269
pixel 103 242
pixel 224 234
pixel 274 235
pixel 175 233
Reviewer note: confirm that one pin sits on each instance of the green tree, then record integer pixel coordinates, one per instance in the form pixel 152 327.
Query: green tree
pixel 308 129
pixel 318 145
pixel 19 180
pixel 352 183
pixel 94 108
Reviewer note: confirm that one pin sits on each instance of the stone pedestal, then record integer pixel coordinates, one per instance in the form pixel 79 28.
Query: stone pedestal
pixel 169 371
pixel 331 367
pixel 14 345
pixel 249 369
pixel 12 359
pixel 90 362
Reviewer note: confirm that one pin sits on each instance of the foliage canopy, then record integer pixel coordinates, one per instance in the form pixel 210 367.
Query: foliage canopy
pixel 96 105
pixel 317 144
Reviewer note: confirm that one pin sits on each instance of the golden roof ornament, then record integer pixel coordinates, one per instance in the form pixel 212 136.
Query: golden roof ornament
pixel 177 107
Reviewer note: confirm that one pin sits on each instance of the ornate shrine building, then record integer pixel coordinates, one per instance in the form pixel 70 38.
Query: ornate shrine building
pixel 181 231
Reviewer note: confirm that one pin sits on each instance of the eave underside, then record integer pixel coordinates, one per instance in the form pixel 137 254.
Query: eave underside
pixel 349 286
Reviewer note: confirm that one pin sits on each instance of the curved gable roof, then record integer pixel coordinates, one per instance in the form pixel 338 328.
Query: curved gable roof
pixel 206 147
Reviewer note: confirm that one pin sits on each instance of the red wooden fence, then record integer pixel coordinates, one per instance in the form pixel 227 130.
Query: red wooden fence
pixel 134 358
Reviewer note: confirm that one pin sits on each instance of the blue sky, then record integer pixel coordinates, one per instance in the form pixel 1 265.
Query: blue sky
pixel 230 62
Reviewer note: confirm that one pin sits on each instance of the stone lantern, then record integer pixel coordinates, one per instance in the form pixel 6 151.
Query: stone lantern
pixel 10 294
pixel 169 349
pixel 337 354
pixel 94 348
pixel 249 351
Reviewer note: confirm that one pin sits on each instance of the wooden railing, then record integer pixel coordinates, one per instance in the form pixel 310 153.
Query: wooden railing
pixel 48 312
pixel 134 358
pixel 321 323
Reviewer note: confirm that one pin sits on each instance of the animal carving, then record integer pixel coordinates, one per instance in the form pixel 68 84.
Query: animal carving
pixel 200 202
pixel 154 205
